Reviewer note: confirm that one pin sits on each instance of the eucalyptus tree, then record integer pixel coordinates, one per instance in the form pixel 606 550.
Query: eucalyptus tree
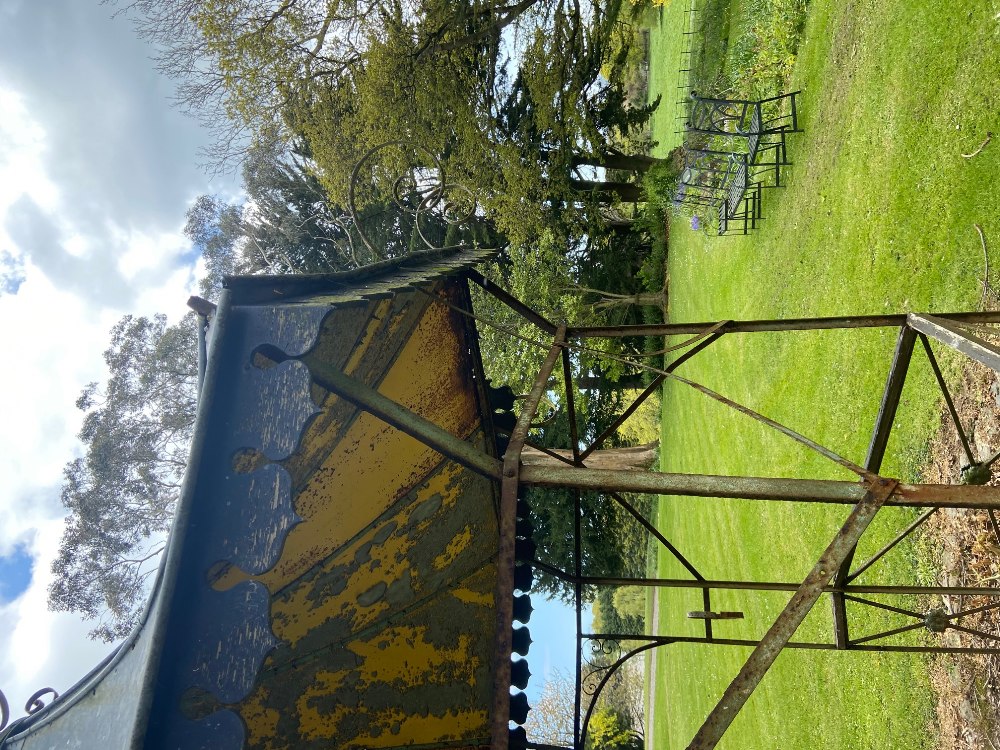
pixel 120 494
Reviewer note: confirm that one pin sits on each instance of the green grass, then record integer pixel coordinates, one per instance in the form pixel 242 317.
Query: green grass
pixel 877 217
pixel 665 45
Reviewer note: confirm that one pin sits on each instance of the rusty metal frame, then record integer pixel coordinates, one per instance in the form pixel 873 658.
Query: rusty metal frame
pixel 831 573
pixel 509 485
pixel 512 302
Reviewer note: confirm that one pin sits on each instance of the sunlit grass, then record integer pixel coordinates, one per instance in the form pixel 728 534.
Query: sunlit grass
pixel 877 217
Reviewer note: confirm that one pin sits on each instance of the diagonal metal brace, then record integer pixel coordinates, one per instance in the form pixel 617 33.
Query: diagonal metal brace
pixel 878 490
pixel 952 334
pixel 402 418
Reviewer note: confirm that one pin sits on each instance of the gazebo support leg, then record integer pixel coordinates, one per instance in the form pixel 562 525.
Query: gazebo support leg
pixel 788 621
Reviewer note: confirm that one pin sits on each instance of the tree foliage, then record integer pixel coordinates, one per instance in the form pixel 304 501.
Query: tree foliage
pixel 612 544
pixel 285 225
pixel 120 495
pixel 609 729
pixel 514 97
pixel 550 720
pixel 615 724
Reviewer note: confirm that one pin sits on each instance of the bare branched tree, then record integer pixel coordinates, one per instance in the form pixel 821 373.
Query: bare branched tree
pixel 238 65
pixel 550 720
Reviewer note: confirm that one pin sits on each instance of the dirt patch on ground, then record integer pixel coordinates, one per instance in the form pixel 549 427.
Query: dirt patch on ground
pixel 967 547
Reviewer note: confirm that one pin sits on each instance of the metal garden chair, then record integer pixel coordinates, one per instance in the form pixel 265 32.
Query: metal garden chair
pixel 747 120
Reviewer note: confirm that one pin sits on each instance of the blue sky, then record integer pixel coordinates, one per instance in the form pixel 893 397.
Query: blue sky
pixel 96 173
pixel 15 573
pixel 553 634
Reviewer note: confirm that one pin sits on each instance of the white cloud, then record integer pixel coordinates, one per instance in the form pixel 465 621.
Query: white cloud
pixel 147 252
pixel 42 648
pixel 76 275
pixel 96 173
pixel 22 150
pixel 55 339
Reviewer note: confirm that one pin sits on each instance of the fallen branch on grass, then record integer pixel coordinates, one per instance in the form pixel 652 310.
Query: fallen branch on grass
pixel 989 137
pixel 985 281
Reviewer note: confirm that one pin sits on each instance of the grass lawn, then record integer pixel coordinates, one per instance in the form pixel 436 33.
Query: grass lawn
pixel 877 217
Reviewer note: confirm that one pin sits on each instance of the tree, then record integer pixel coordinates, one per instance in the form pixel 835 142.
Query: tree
pixel 121 494
pixel 636 458
pixel 516 97
pixel 550 720
pixel 611 542
pixel 215 228
pixel 238 64
pixel 545 275
pixel 609 730
pixel 285 225
pixel 616 724
pixel 288 225
pixel 625 693
pixel 519 102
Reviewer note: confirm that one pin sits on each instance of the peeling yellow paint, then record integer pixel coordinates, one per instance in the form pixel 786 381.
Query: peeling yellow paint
pixel 383 597
pixel 452 725
pixel 373 464
pixel 316 724
pixel 420 663
pixel 471 596
pixel 370 336
pixel 457 545
pixel 299 609
pixel 262 723
pixel 391 728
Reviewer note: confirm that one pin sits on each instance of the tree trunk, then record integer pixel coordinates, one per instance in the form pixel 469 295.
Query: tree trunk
pixel 624 191
pixel 642 299
pixel 639 458
pixel 609 299
pixel 598 383
pixel 618 225
pixel 608 160
pixel 625 162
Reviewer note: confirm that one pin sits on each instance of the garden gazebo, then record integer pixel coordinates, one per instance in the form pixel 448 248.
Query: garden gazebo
pixel 347 568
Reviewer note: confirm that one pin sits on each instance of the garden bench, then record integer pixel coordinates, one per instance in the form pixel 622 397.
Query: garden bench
pixel 747 120
pixel 725 164
pixel 742 202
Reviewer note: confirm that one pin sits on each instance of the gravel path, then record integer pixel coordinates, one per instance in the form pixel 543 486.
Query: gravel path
pixel 651 674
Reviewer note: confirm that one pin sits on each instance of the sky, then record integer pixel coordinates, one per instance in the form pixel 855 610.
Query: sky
pixel 96 173
pixel 97 170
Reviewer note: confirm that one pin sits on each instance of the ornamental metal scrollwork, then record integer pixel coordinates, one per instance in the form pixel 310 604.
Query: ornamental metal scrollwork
pixel 399 201
pixel 418 186
pixel 594 682
pixel 603 655
pixel 33 705
pixel 35 702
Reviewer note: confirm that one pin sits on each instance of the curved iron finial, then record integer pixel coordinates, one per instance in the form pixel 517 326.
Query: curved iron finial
pixel 33 705
pixel 418 186
pixel 35 702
